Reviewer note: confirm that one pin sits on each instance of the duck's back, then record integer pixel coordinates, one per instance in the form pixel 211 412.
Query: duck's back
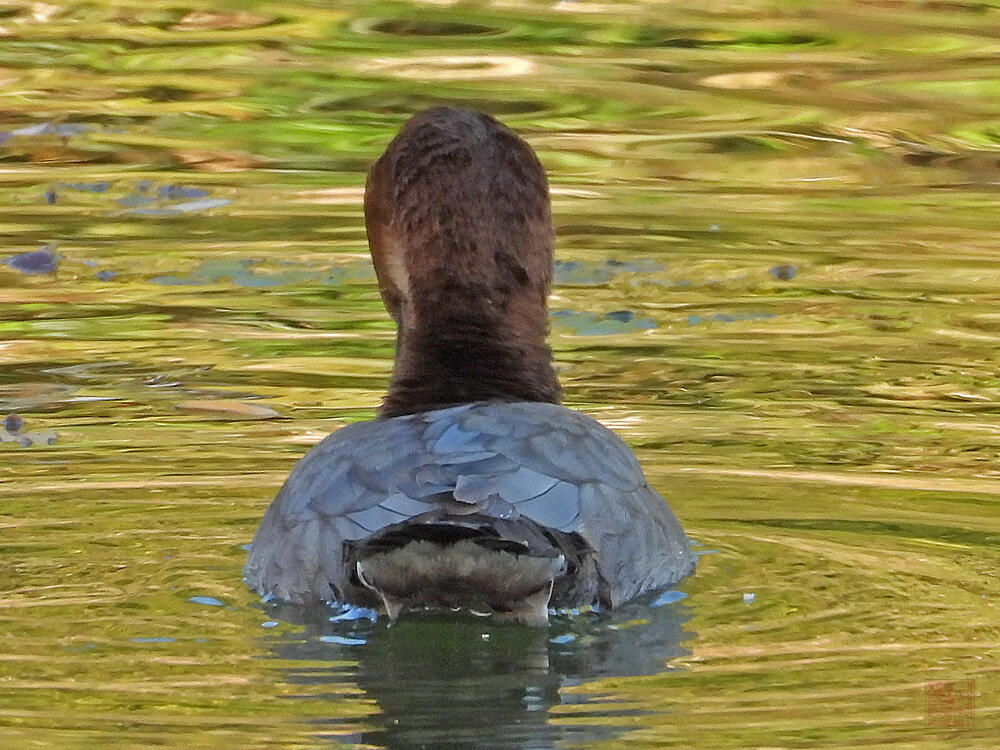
pixel 496 464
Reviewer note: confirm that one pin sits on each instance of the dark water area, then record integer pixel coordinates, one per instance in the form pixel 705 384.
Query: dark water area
pixel 778 270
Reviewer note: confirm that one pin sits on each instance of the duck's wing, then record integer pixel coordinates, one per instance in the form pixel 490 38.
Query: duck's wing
pixel 575 475
pixel 340 491
pixel 544 462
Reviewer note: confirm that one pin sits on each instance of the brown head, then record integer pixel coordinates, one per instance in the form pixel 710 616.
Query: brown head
pixel 458 221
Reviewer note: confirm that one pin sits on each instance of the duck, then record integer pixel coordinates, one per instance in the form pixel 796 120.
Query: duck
pixel 473 489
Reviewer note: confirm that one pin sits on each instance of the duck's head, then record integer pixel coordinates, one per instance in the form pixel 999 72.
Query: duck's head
pixel 458 222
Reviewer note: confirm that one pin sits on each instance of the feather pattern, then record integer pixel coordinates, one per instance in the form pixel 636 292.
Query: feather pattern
pixel 497 460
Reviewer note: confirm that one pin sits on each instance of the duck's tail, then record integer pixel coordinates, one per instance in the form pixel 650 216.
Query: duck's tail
pixel 514 569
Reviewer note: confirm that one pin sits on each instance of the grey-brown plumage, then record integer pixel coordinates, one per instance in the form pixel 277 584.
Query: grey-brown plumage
pixel 474 488
pixel 539 479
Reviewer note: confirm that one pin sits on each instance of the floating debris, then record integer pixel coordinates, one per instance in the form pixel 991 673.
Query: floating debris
pixel 227 409
pixel 27 396
pixel 167 200
pixel 589 324
pixel 61 130
pixel 13 423
pixel 236 271
pixel 12 431
pixel 623 316
pixel 353 613
pixel 208 601
pixel 86 187
pixel 585 273
pixel 668 597
pixel 361 270
pixel 187 207
pixel 44 260
pixel 134 199
pixel 178 192
pixel 242 273
pixel 782 272
pixel 341 640
pixel 693 320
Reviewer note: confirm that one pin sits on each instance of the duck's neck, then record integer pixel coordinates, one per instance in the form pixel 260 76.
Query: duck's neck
pixel 454 354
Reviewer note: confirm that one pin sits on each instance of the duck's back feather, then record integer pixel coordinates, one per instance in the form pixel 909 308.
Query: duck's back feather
pixel 507 461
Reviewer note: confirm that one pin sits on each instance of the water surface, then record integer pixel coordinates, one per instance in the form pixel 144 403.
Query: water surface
pixel 777 281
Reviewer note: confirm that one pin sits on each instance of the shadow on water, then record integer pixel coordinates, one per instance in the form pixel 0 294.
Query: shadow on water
pixel 473 683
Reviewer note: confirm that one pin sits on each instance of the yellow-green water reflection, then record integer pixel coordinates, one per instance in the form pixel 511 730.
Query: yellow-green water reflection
pixel 778 281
